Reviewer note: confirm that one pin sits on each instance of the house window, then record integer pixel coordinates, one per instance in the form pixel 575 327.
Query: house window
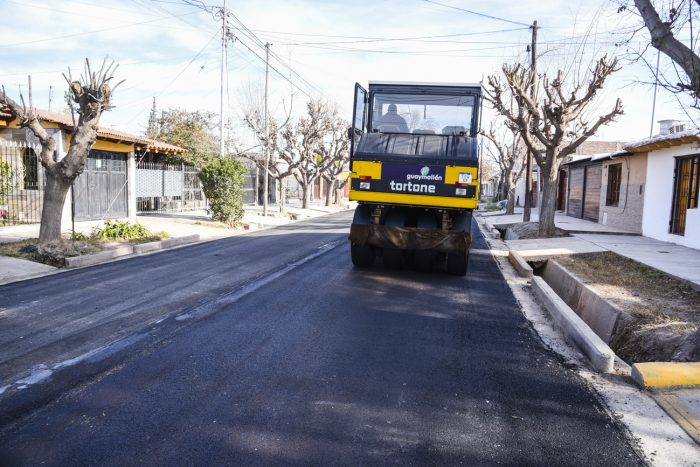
pixel 30 162
pixel 612 197
pixel 685 192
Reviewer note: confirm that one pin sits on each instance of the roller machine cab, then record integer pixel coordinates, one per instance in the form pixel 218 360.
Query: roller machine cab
pixel 415 162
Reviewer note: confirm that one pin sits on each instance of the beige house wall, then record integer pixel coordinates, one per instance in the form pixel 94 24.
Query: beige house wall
pixel 628 212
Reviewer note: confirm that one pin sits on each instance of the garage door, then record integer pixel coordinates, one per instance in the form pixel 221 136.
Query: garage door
pixel 574 206
pixel 591 196
pixel 100 191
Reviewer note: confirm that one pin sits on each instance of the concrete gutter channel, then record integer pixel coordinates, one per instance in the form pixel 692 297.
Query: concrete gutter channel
pixel 589 321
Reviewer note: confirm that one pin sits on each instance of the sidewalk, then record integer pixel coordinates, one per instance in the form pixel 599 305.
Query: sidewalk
pixel 561 220
pixel 177 224
pixel 590 237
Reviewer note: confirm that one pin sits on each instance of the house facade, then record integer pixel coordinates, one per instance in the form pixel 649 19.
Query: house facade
pixel 671 212
pixel 605 188
pixel 107 188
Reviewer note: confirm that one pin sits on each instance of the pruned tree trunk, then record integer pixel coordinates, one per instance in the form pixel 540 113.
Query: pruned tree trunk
pixel 510 207
pixel 283 194
pixel 305 195
pixel 329 191
pixel 55 194
pixel 548 203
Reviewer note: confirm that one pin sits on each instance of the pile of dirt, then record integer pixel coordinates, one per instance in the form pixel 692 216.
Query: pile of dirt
pixel 661 314
pixel 524 230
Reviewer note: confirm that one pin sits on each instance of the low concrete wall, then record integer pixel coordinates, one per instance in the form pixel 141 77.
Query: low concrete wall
pixel 593 309
pixel 164 244
pixel 520 265
pixel 601 356
pixel 97 258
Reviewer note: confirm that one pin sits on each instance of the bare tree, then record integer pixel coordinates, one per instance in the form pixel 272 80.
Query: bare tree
pixel 553 125
pixel 664 37
pixel 335 150
pixel 506 150
pixel 302 146
pixel 254 119
pixel 88 97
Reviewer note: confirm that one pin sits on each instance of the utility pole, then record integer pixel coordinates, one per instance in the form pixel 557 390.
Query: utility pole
pixel 224 40
pixel 50 97
pixel 266 149
pixel 533 94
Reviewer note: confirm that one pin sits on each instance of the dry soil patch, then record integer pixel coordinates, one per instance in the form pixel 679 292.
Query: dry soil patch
pixel 661 314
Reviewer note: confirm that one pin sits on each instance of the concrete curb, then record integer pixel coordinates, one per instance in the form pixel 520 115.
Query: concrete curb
pixel 164 244
pixel 520 265
pixel 97 258
pixel 661 374
pixel 601 356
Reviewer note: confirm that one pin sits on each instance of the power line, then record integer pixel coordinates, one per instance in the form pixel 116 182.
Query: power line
pixel 472 12
pixel 274 69
pixel 431 39
pixel 286 33
pixel 250 34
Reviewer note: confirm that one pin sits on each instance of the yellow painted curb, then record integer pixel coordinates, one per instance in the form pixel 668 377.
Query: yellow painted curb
pixel 655 374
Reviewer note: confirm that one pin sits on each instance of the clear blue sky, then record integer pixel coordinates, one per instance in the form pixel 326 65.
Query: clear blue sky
pixel 171 50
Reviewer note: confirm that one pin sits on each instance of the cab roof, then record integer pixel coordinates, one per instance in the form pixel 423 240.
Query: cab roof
pixel 421 83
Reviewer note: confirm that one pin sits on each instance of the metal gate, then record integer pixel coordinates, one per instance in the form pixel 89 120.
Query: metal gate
pixel 168 187
pixel 22 181
pixel 100 191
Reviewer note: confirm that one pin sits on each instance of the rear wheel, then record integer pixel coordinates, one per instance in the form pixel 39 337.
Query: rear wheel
pixel 457 263
pixel 393 258
pixel 362 255
pixel 423 259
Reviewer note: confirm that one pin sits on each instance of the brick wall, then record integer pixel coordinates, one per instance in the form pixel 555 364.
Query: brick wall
pixel 628 212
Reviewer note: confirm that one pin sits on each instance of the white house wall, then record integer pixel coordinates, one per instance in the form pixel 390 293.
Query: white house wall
pixel 658 198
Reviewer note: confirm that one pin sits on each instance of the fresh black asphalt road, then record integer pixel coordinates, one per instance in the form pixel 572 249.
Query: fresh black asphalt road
pixel 328 364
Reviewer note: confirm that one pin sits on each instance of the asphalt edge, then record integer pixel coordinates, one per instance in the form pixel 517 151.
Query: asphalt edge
pixel 633 410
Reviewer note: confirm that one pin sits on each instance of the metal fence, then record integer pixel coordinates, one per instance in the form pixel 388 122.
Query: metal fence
pixel 22 182
pixel 167 187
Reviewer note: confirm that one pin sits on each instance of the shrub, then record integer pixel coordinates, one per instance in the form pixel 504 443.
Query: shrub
pixel 122 230
pixel 222 182
pixel 7 180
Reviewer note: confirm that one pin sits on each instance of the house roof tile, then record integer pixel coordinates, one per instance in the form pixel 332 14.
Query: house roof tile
pixel 111 134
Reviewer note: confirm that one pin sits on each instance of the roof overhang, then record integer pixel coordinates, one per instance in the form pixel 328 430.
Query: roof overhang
pixel 664 141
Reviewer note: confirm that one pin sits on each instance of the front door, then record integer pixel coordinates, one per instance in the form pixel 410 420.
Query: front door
pixel 359 116
pixel 685 193
pixel 591 194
